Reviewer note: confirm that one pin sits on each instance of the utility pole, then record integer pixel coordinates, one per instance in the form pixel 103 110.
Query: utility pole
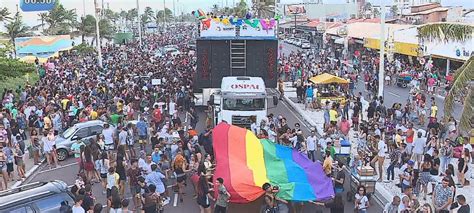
pixel 139 24
pixel 84 8
pixel 382 49
pixel 174 11
pixel 97 17
pixel 164 14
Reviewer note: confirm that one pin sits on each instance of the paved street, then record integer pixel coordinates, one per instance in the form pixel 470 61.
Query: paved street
pixel 69 169
pixel 392 94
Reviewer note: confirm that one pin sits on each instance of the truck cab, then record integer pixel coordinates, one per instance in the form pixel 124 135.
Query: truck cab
pixel 240 100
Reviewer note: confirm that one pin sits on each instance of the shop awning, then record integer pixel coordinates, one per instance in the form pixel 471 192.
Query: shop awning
pixel 326 78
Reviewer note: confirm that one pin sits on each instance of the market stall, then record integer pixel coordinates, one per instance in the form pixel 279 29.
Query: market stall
pixel 330 88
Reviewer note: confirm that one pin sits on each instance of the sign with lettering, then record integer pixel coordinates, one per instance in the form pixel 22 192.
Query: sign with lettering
pixel 245 86
pixel 37 5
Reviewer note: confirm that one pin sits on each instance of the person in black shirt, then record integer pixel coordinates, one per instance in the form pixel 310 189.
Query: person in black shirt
pixel 436 162
pixel 339 179
pixel 88 202
pixel 461 204
pixel 336 205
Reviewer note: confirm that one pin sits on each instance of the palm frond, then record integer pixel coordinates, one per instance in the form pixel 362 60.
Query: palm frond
pixel 462 77
pixel 466 122
pixel 446 32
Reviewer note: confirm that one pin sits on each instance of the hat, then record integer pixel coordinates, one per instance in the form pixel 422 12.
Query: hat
pixel 411 163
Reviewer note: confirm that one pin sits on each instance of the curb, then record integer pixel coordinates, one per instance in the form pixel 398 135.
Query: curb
pixel 300 112
pixel 28 174
pixel 381 195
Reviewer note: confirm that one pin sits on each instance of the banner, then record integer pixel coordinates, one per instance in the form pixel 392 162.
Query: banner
pixel 407 48
pixel 294 9
pixel 41 47
pixel 227 27
pixel 372 43
pixel 213 28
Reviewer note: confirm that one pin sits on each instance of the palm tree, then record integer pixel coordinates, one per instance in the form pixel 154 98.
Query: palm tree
pixel 263 9
pixel 394 11
pixel 241 9
pixel 4 14
pixel 16 28
pixel 464 76
pixel 42 18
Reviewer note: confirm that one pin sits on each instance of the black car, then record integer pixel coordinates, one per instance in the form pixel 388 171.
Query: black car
pixel 37 197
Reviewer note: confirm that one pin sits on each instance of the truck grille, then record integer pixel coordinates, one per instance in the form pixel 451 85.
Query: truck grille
pixel 242 121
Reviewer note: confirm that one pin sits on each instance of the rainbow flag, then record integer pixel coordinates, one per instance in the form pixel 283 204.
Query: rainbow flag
pixel 246 163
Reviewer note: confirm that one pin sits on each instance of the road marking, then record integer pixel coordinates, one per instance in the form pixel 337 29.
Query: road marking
pixel 391 93
pixel 59 167
pixel 175 202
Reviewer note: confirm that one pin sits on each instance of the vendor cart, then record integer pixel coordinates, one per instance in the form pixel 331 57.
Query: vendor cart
pixel 343 151
pixel 363 177
pixel 403 80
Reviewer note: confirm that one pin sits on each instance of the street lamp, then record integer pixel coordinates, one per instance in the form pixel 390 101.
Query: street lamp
pixel 99 49
pixel 382 49
pixel 139 24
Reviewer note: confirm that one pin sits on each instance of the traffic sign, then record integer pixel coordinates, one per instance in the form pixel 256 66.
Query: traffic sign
pixel 37 5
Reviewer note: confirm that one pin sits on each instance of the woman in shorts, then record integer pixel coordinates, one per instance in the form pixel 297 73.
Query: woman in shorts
pixel 204 195
pixel 102 167
pixel 3 169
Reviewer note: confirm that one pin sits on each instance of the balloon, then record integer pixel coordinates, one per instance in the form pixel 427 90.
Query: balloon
pixel 206 23
pixel 253 23
pixel 225 21
pixel 248 15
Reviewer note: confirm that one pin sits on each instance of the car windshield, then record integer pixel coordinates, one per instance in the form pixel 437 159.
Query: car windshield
pixel 241 104
pixel 68 133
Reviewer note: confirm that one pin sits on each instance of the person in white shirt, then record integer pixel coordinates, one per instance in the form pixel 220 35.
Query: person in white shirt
pixel 311 145
pixel 382 148
pixel 272 135
pixel 109 134
pixel 418 148
pixel 77 208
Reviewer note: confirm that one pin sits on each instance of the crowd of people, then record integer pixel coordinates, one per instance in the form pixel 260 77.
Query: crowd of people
pixel 148 158
pixel 424 148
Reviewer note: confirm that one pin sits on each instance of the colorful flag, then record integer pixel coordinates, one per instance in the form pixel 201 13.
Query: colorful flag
pixel 246 163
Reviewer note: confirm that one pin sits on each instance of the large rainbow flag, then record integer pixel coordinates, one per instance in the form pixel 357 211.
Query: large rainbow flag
pixel 246 163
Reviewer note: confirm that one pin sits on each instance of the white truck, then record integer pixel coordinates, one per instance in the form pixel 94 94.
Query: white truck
pixel 239 100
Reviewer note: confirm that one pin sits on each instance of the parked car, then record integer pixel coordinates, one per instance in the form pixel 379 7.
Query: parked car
pixel 297 42
pixel 37 197
pixel 173 51
pixel 305 45
pixel 80 131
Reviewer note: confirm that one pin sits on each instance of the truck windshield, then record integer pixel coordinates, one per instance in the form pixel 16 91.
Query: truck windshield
pixel 240 104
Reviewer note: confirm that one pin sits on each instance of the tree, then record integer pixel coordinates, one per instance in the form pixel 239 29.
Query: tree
pixel 241 9
pixel 376 12
pixel 463 77
pixel 4 14
pixel 16 28
pixel 394 10
pixel 168 16
pixel 42 18
pixel 263 9
pixel 87 27
pixel 60 20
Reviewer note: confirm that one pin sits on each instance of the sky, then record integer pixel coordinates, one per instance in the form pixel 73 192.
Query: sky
pixel 185 6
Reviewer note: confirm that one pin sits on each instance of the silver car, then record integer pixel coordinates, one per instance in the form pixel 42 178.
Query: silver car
pixel 80 131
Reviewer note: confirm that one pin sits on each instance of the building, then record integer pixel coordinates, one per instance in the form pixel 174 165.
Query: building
pixel 331 12
pixel 432 12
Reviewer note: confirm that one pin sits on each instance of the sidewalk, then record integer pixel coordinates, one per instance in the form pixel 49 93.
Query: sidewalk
pixel 385 191
pixel 30 168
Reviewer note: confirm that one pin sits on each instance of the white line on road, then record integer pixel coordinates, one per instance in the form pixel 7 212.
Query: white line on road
pixel 391 93
pixel 59 167
pixel 175 202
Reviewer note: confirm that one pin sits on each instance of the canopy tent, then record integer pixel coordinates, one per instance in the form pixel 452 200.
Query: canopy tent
pixel 326 78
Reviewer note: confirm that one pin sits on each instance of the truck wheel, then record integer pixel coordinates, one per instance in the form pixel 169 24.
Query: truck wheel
pixel 62 154
pixel 404 85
